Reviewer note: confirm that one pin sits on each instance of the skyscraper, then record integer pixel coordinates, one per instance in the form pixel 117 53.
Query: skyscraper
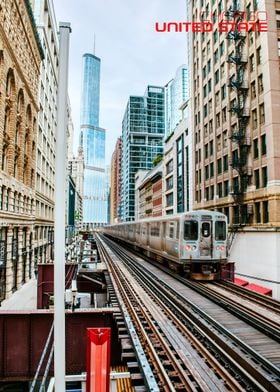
pixel 143 131
pixel 93 142
pixel 176 93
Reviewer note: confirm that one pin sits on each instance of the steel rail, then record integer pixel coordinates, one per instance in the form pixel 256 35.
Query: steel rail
pixel 260 299
pixel 166 383
pixel 257 374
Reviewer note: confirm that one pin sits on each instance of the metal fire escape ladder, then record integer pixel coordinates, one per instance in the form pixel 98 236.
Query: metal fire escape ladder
pixel 238 83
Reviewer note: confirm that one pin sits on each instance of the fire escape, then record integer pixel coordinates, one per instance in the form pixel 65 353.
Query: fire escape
pixel 238 83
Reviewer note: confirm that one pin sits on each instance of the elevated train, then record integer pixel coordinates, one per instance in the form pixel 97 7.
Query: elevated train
pixel 192 243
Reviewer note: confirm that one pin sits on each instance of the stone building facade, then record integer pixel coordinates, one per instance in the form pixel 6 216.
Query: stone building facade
pixel 45 154
pixel 115 185
pixel 20 57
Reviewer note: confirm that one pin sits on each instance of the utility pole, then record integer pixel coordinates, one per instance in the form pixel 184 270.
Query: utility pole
pixel 60 202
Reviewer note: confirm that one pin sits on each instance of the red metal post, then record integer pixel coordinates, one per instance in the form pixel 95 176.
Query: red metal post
pixel 98 359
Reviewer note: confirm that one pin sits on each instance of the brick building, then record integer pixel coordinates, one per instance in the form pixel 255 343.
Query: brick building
pixel 148 193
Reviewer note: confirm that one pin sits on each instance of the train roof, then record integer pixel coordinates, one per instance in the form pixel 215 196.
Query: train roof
pixel 170 217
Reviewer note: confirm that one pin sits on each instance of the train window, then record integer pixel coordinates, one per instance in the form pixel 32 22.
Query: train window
pixel 205 229
pixel 155 231
pixel 171 230
pixel 220 231
pixel 191 230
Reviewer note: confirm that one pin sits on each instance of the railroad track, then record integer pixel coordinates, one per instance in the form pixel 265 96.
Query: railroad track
pixel 262 300
pixel 230 360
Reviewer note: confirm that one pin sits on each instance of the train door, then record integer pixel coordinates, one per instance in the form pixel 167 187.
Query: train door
pixel 206 239
pixel 163 235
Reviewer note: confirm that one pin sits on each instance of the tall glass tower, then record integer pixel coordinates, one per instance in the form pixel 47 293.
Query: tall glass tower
pixel 176 93
pixel 143 131
pixel 92 140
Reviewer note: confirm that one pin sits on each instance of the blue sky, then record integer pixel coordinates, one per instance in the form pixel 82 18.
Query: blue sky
pixel 132 54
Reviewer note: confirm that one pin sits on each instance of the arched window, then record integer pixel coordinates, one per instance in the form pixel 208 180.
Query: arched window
pixel 10 83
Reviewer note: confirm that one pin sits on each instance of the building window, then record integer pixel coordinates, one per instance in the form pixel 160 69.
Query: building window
pixel 260 84
pixel 216 56
pixel 263 144
pixel 204 72
pixel 206 172
pixel 218 120
pixel 253 90
pixel 220 189
pixel 215 36
pixel 225 163
pixel 206 151
pixel 252 63
pixel 210 86
pixel 264 177
pixel 224 93
pixel 219 143
pixel 217 77
pixel 205 90
pixel 205 110
pixel 219 166
pixel 169 200
pixel 169 167
pixel 211 148
pixel 212 192
pixel 254 119
pixel 217 96
pixel 256 148
pixel 265 212
pixel 259 56
pixel 212 169
pixel 209 66
pixel 222 48
pixel 225 188
pixel 257 178
pixel 207 194
pixel 278 19
pixel 258 212
pixel 262 115
pixel 169 183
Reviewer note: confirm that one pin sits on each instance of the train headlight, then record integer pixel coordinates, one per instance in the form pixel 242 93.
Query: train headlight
pixel 188 248
pixel 222 247
pixel 194 247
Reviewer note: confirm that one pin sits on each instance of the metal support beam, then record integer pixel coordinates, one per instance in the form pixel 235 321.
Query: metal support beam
pixel 59 221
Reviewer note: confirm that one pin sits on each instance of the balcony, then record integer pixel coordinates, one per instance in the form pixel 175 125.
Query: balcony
pixel 238 83
pixel 238 59
pixel 237 162
pixel 239 136
pixel 240 111
pixel 236 35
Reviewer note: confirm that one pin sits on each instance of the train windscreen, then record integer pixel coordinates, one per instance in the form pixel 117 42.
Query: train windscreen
pixel 191 230
pixel 220 231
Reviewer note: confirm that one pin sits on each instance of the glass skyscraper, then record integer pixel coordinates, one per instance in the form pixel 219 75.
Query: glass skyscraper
pixel 92 139
pixel 176 93
pixel 143 130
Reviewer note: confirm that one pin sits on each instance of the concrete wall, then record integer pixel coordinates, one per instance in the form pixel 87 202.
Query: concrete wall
pixel 257 255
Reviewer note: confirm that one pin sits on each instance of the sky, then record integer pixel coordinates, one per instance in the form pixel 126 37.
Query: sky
pixel 132 53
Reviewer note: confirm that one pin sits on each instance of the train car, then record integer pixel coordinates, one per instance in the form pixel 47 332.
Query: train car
pixel 192 243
